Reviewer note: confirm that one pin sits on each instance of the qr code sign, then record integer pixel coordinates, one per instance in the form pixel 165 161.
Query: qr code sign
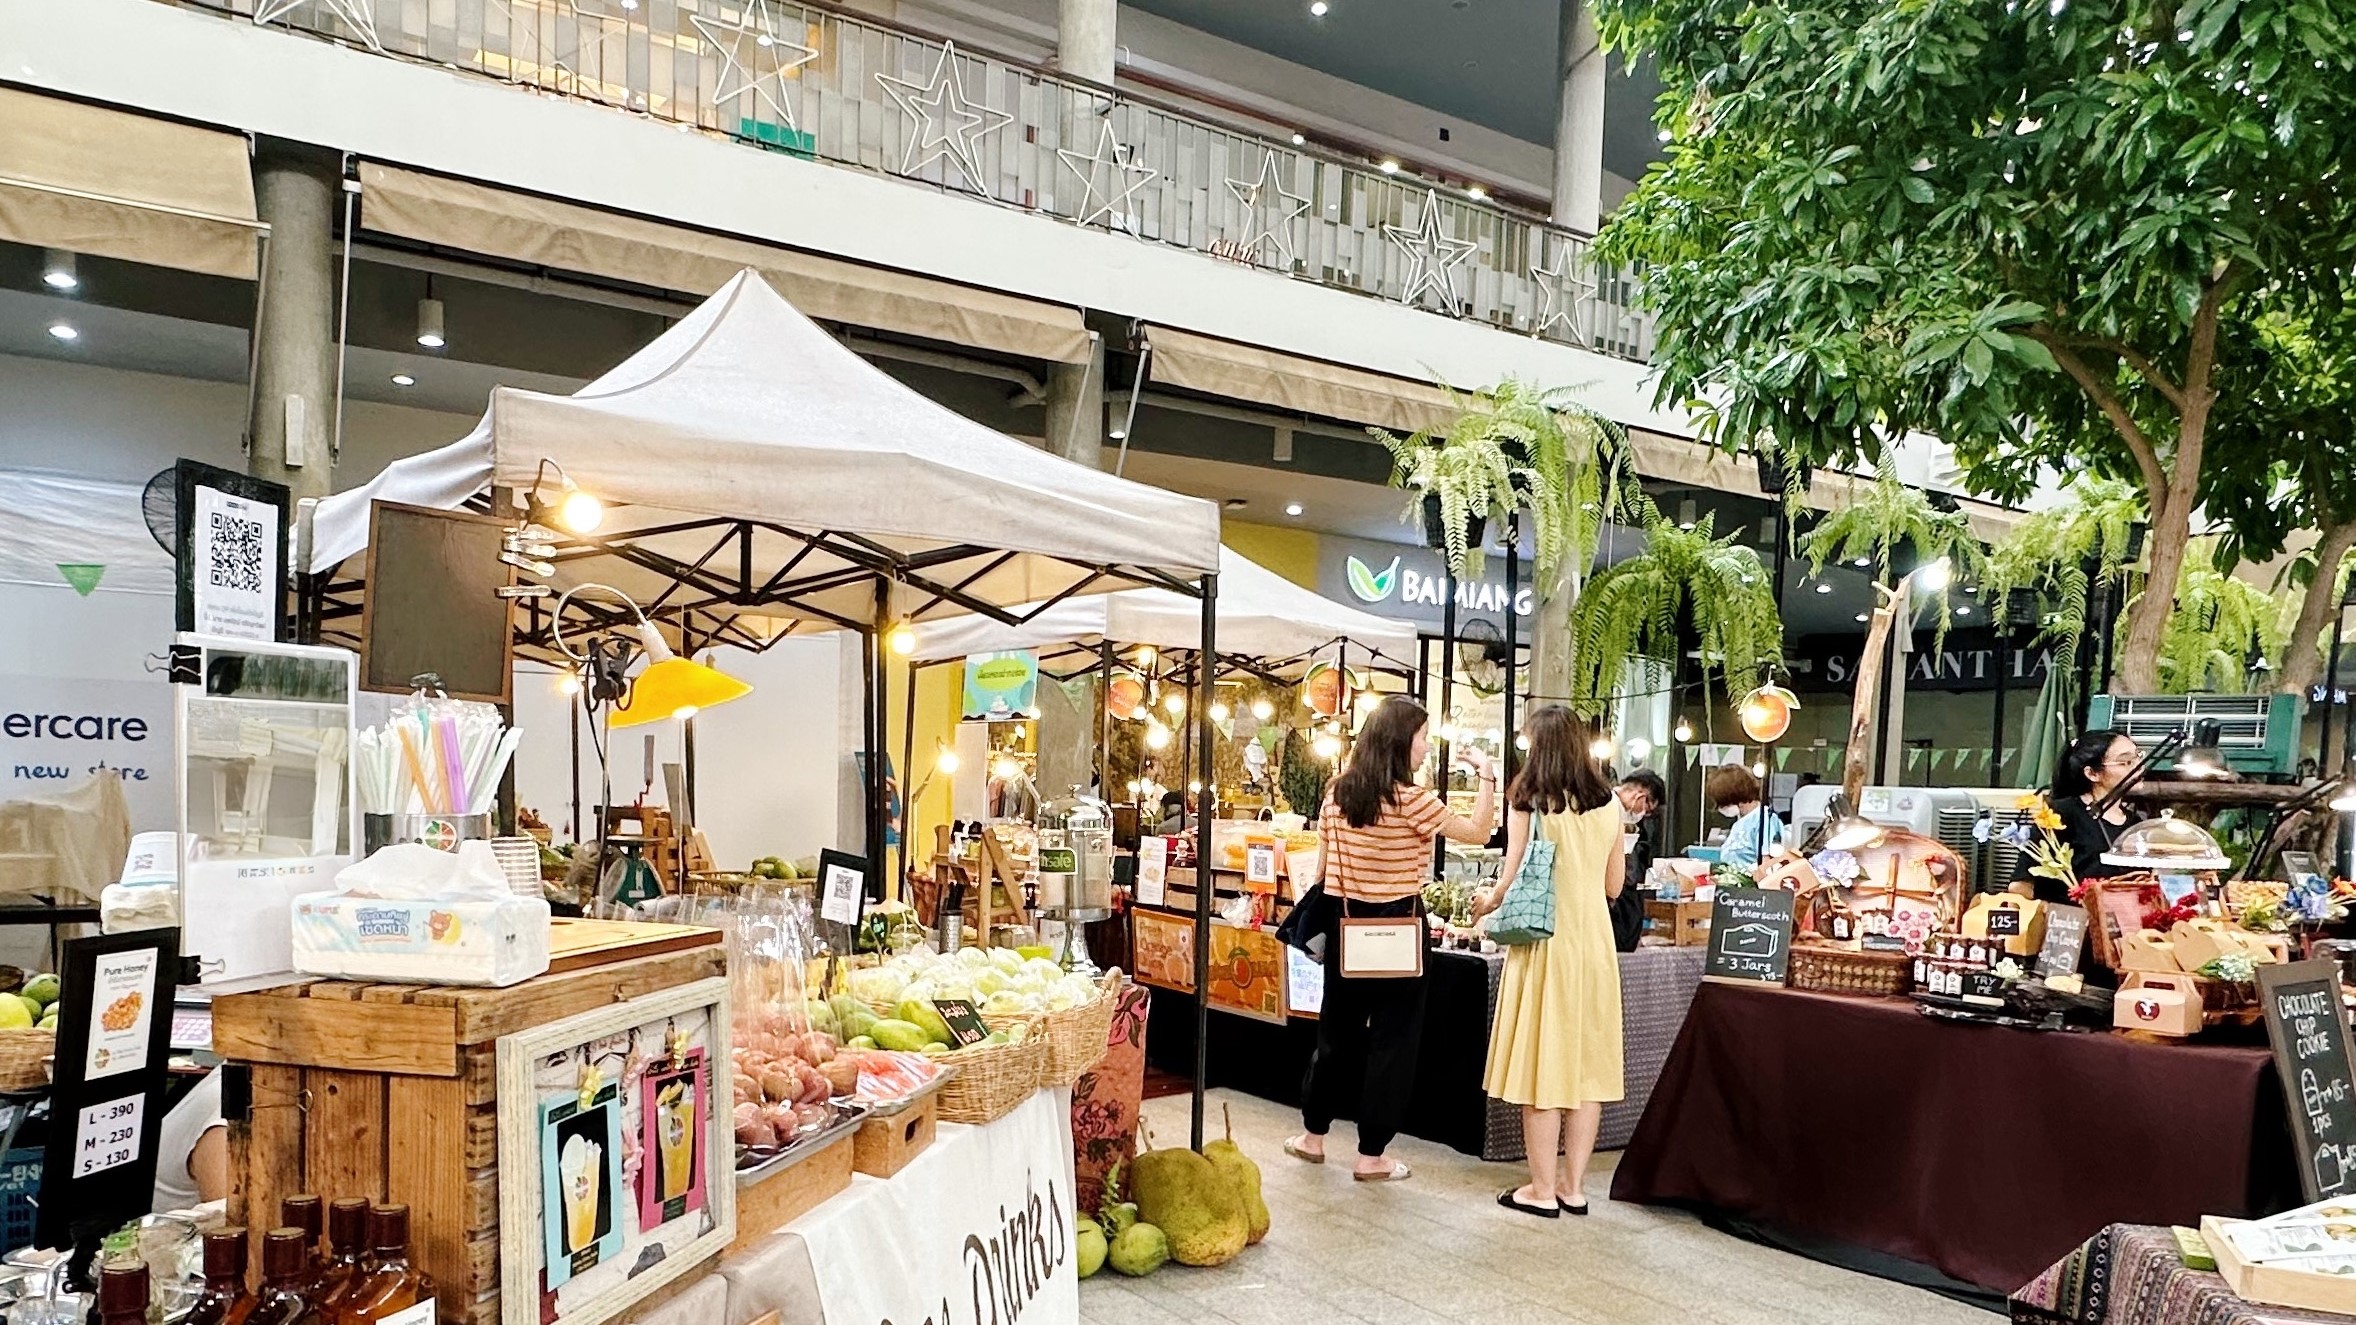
pixel 241 553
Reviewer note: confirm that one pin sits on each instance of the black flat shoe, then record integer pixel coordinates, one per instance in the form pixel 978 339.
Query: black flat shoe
pixel 1506 1199
pixel 1580 1209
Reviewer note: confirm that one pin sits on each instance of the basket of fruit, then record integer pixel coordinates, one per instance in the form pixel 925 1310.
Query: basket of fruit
pixel 1077 1037
pixel 28 1033
pixel 993 1076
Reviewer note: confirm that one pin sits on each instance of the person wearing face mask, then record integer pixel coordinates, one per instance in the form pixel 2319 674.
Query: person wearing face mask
pixel 1734 790
pixel 1641 795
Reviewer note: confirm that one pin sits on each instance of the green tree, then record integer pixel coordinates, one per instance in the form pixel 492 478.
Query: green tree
pixel 2030 230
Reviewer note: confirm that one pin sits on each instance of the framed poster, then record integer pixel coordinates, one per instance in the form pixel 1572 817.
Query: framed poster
pixel 106 1102
pixel 1153 870
pixel 1247 972
pixel 1002 687
pixel 230 535
pixel 618 1174
pixel 1164 946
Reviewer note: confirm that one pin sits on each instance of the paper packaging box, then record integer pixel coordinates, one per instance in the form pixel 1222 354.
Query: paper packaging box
pixel 2148 950
pixel 2029 936
pixel 2199 942
pixel 1685 924
pixel 2164 1004
pixel 404 941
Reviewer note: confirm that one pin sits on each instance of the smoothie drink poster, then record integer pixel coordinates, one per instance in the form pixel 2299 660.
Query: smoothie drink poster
pixel 674 1121
pixel 581 1184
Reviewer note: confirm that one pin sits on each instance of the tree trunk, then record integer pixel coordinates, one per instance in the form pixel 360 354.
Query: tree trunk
pixel 2302 662
pixel 1865 705
pixel 1550 639
pixel 2138 654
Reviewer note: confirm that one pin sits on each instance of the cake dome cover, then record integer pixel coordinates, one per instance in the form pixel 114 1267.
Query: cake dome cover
pixel 2166 845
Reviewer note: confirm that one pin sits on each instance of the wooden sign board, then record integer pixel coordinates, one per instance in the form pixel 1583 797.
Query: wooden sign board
pixel 1750 936
pixel 2309 1031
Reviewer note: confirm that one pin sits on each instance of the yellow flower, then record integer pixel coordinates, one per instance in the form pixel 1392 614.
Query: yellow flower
pixel 2029 800
pixel 2044 817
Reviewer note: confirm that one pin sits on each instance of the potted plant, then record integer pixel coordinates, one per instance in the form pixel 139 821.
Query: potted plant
pixel 1511 447
pixel 1686 583
pixel 1876 526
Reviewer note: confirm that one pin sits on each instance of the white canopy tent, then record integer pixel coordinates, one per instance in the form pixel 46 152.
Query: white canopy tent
pixel 760 469
pixel 1261 615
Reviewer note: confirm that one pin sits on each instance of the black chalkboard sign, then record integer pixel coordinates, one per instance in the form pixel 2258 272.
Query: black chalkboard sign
pixel 2309 1031
pixel 965 1025
pixel 1750 936
pixel 2004 922
pixel 2065 940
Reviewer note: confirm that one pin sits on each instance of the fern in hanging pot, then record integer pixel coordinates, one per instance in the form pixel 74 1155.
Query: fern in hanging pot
pixel 1685 584
pixel 1511 447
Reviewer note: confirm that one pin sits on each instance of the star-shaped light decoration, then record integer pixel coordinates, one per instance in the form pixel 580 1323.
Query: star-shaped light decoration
pixel 754 59
pixel 1272 224
pixel 355 14
pixel 1432 256
pixel 1565 292
pixel 1112 204
pixel 945 123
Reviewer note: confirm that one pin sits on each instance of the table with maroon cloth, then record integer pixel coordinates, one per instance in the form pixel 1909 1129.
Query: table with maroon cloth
pixel 2132 1274
pixel 1853 1125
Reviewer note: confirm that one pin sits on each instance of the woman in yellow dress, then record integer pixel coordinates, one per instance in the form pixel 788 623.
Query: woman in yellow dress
pixel 1554 1047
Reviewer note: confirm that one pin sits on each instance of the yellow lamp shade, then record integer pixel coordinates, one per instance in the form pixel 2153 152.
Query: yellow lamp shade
pixel 1766 713
pixel 677 688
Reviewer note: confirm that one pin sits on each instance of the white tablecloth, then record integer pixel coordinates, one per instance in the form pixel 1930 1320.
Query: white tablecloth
pixel 978 1229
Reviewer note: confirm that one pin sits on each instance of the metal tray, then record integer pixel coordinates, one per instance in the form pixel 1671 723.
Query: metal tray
pixel 846 1121
pixel 901 1105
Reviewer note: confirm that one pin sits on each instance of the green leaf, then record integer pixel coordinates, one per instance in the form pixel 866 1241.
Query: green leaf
pixel 1916 188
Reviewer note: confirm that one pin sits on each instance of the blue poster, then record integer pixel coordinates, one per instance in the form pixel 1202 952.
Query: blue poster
pixel 581 1181
pixel 1001 687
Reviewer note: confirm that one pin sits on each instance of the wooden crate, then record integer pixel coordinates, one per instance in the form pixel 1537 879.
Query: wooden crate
pixel 389 1092
pixel 884 1146
pixel 771 1202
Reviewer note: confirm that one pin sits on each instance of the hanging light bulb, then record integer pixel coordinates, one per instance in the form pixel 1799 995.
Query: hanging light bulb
pixel 1684 731
pixel 1521 742
pixel 429 324
pixel 1005 768
pixel 1262 709
pixel 57 270
pixel 1758 768
pixel 1157 737
pixel 569 684
pixel 1327 746
pixel 1219 712
pixel 1146 656
pixel 1368 701
pixel 1639 749
pixel 580 512
pixel 1935 576
pixel 946 761
pixel 1601 747
pixel 902 640
pixel 1175 701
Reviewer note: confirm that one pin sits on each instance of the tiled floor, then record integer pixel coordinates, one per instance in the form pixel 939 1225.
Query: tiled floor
pixel 1437 1249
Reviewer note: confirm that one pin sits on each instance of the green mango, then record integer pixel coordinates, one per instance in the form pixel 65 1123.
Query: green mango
pixel 926 1015
pixel 900 1035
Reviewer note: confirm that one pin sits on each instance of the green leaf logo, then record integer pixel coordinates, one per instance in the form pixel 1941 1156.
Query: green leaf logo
pixel 1369 585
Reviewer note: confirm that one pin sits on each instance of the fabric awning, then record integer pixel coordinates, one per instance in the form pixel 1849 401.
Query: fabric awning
pixel 1290 382
pixel 88 179
pixel 542 232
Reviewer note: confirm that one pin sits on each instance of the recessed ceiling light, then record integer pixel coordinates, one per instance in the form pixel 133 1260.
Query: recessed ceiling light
pixel 1963 609
pixel 64 331
pixel 1293 508
pixel 1861 616
pixel 57 269
pixel 1663 135
pixel 1477 193
pixel 1118 433
pixel 1318 8
pixel 1862 562
pixel 1235 503
pixel 404 379
pixel 1390 167
pixel 1298 140
pixel 1824 588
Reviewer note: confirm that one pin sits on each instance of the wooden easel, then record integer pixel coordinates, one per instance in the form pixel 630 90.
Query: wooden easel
pixel 990 877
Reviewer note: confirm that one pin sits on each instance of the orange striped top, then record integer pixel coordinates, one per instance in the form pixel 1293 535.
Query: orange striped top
pixel 1389 859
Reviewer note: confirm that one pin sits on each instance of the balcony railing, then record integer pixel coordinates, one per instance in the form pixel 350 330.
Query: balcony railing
pixel 838 88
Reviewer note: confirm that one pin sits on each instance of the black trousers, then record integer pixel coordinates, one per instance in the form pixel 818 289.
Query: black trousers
pixel 1368 1033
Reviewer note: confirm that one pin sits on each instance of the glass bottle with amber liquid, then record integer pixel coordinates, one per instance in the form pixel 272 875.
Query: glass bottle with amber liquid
pixel 286 1277
pixel 393 1291
pixel 306 1213
pixel 347 1231
pixel 122 1294
pixel 225 1300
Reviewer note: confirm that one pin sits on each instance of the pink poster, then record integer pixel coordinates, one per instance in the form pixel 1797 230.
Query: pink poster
pixel 673 1123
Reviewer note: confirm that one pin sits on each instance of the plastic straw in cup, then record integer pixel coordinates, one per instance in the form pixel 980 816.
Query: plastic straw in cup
pixel 416 765
pixel 453 765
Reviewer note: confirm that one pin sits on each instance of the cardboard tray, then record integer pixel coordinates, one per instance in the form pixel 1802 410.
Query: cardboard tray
pixel 2276 1287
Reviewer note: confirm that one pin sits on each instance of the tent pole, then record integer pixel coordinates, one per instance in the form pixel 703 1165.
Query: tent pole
pixel 1513 633
pixel 1204 881
pixel 899 878
pixel 872 701
pixel 1104 720
pixel 1446 745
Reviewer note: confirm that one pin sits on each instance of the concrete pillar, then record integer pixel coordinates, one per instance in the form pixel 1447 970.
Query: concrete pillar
pixel 1075 408
pixel 295 190
pixel 1085 44
pixel 1578 126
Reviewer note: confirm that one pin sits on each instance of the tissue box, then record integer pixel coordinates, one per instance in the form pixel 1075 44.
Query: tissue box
pixel 500 941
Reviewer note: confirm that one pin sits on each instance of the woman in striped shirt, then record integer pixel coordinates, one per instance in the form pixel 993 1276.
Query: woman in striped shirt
pixel 1377 832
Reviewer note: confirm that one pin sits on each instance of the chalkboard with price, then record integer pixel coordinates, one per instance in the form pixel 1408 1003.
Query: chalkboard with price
pixel 2309 1030
pixel 114 1036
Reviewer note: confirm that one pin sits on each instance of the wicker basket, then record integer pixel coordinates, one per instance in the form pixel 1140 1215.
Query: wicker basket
pixel 1830 969
pixel 991 1079
pixel 23 1059
pixel 1077 1038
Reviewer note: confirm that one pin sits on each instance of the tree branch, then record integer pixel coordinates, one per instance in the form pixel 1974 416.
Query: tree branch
pixel 2139 443
pixel 2134 358
pixel 2199 363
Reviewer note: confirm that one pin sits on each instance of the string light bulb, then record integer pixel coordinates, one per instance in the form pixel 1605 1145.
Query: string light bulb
pixel 902 639
pixel 1157 737
pixel 1684 731
pixel 1262 709
pixel 946 760
pixel 569 684
pixel 1175 701
pixel 1327 746
pixel 1219 712
pixel 1602 748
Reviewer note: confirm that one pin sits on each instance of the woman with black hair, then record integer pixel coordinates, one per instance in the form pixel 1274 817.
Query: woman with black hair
pixel 1376 833
pixel 2091 769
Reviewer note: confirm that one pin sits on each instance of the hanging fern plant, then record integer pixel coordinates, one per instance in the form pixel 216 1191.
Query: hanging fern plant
pixel 2218 623
pixel 1886 519
pixel 1513 446
pixel 2065 555
pixel 1684 579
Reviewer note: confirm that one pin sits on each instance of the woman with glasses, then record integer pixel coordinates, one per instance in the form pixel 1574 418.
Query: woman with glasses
pixel 2094 767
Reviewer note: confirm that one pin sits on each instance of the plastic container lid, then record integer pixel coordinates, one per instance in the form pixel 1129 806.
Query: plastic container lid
pixel 2166 845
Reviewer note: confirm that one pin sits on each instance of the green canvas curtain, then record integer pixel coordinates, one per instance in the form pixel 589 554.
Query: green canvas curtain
pixel 2047 730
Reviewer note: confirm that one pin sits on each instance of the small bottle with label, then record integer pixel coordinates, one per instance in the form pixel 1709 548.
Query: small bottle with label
pixel 394 1291
pixel 286 1276
pixel 347 1231
pixel 225 1299
pixel 122 1294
